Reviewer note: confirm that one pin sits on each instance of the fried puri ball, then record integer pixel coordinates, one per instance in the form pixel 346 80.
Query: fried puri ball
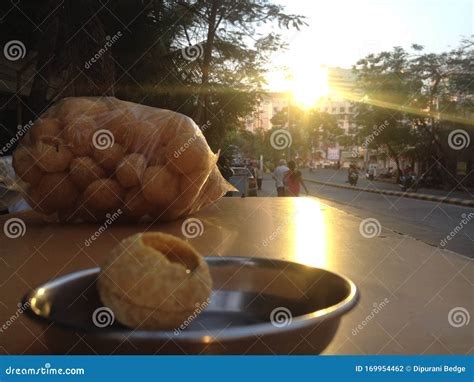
pixel 119 122
pixel 103 195
pixel 109 157
pixel 69 109
pixel 136 205
pixel 154 281
pixel 82 212
pixel 172 124
pixel 33 199
pixel 144 138
pixel 83 171
pixel 188 153
pixel 160 186
pixel 45 127
pixel 130 170
pixel 158 157
pixel 26 166
pixel 78 134
pixel 56 192
pixel 52 154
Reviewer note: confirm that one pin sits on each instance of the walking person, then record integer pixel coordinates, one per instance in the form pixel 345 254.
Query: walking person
pixel 259 175
pixel 294 180
pixel 279 175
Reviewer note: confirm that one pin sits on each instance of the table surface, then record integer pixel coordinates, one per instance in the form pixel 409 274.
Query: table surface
pixel 424 288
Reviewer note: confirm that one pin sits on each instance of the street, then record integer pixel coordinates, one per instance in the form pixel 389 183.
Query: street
pixel 430 222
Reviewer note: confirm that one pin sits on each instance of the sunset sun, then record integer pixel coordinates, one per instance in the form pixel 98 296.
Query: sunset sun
pixel 309 85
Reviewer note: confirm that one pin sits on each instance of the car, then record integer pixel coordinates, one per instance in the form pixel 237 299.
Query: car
pixel 244 181
pixel 326 164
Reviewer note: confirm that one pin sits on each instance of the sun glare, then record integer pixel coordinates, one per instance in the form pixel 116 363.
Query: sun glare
pixel 306 84
pixel 309 85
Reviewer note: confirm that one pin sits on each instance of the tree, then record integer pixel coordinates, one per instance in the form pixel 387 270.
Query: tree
pixel 413 99
pixel 308 128
pixel 389 104
pixel 150 63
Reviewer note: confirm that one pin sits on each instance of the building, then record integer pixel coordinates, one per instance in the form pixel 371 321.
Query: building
pixel 270 104
pixel 338 102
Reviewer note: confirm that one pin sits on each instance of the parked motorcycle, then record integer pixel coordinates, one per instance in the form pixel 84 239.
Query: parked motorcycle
pixel 409 183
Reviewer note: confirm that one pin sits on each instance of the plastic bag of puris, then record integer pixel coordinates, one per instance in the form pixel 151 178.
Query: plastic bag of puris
pixel 86 158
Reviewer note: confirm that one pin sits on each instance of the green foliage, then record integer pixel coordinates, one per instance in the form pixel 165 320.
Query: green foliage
pixel 147 64
pixel 413 99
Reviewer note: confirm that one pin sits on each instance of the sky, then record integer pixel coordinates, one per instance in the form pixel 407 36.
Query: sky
pixel 342 31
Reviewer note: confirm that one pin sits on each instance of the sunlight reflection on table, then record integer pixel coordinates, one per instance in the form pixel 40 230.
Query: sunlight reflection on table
pixel 309 232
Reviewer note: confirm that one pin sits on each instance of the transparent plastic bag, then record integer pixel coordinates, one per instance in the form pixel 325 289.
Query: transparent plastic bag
pixel 86 158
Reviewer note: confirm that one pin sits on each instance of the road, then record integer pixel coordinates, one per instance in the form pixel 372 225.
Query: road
pixel 429 222
pixel 340 177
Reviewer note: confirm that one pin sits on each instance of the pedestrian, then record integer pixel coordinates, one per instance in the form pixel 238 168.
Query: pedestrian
pixel 294 180
pixel 259 175
pixel 279 175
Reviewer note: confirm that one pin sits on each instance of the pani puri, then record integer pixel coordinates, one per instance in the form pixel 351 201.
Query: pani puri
pixel 45 127
pixel 83 171
pixel 78 134
pixel 159 185
pixel 52 154
pixel 103 195
pixel 25 165
pixel 154 281
pixel 56 192
pixel 109 157
pixel 130 170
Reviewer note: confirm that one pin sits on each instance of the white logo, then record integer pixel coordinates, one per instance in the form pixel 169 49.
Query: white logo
pixel 193 52
pixel 103 317
pixel 14 228
pixel 458 139
pixel 14 50
pixel 369 228
pixel 281 139
pixel 280 317
pixel 458 317
pixel 103 139
pixel 192 228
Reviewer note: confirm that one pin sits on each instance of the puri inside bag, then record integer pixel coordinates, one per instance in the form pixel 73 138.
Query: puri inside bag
pixel 85 158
